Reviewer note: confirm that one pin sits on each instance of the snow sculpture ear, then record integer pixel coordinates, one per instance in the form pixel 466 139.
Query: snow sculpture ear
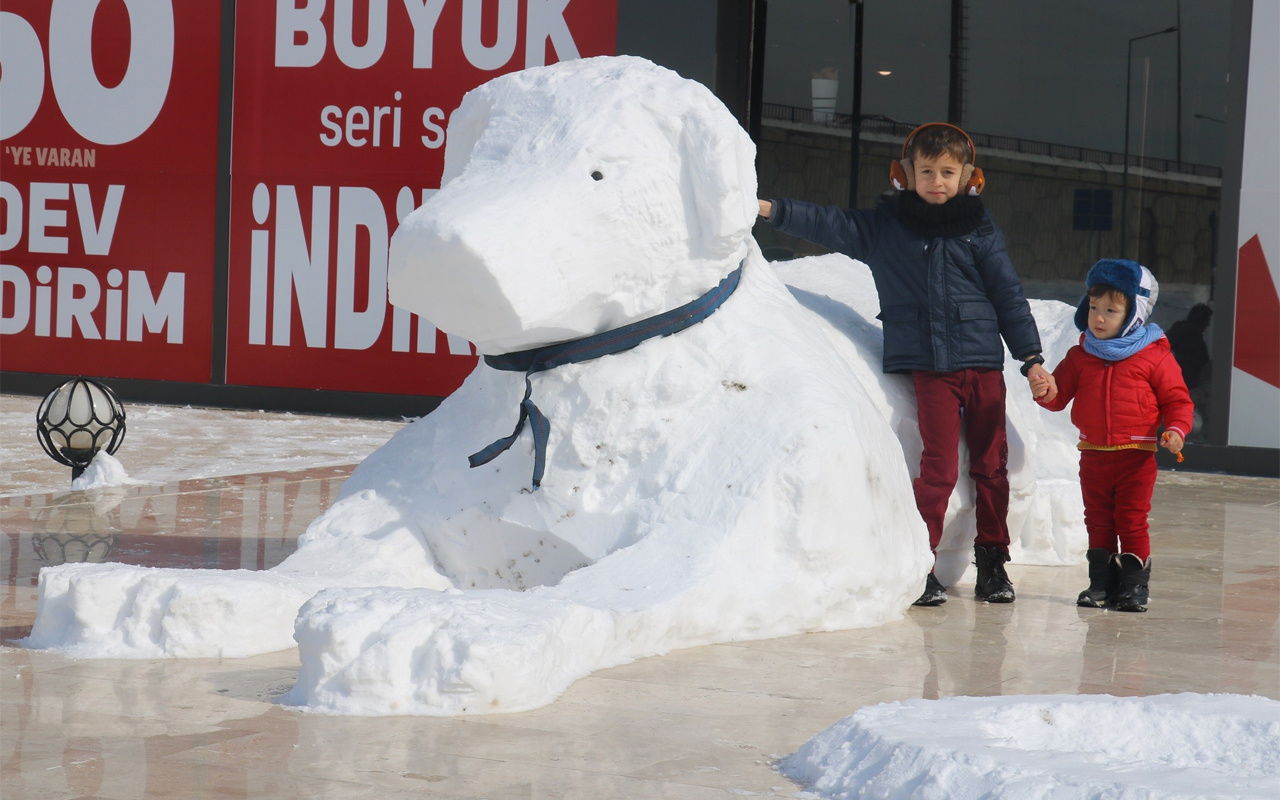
pixel 466 124
pixel 718 179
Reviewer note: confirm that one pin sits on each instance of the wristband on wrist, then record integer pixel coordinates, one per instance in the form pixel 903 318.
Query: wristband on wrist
pixel 1031 362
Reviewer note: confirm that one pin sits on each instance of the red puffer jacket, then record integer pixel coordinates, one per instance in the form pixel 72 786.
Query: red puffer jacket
pixel 1122 402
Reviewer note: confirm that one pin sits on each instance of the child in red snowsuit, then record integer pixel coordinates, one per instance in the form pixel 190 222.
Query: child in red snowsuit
pixel 1125 382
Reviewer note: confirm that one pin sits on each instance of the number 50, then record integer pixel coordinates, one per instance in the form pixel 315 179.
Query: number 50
pixel 100 114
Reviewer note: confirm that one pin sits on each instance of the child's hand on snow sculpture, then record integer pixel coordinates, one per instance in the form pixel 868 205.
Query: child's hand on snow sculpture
pixel 766 208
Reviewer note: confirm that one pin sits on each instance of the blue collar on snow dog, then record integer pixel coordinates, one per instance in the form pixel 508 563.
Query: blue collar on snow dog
pixel 540 359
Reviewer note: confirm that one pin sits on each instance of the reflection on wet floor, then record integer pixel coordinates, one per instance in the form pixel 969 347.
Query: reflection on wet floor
pixel 240 522
pixel 699 723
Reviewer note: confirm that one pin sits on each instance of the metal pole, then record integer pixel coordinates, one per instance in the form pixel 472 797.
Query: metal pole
pixel 755 95
pixel 732 58
pixel 1124 181
pixel 955 99
pixel 855 118
pixel 1124 185
pixel 1179 125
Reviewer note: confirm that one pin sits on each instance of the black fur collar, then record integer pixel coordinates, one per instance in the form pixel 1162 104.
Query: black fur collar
pixel 959 215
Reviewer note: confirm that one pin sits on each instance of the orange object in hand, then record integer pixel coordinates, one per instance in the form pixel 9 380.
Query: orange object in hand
pixel 1164 439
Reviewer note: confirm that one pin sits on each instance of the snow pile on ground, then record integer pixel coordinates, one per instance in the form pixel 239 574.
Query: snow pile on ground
pixel 742 478
pixel 103 471
pixel 1049 747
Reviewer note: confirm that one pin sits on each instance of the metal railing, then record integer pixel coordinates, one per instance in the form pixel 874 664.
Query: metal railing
pixel 874 124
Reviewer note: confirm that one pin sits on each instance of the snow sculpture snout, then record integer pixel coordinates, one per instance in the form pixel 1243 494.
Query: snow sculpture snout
pixel 548 232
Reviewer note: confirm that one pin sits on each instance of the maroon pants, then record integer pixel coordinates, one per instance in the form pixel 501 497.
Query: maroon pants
pixel 943 399
pixel 1117 486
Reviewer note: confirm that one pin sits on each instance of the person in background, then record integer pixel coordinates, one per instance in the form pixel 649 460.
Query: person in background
pixel 1125 384
pixel 948 294
pixel 1186 337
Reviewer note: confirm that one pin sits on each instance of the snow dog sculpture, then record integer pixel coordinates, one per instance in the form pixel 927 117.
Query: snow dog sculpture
pixel 731 480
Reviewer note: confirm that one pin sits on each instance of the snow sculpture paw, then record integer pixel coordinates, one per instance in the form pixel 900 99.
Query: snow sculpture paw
pixel 137 612
pixel 122 611
pixel 441 653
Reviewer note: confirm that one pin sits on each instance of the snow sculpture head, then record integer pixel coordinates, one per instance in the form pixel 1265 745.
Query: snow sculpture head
pixel 561 154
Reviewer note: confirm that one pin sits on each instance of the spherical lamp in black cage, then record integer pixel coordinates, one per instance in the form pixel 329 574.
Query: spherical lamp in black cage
pixel 78 419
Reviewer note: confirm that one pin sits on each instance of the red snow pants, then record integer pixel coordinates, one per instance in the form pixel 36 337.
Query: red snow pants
pixel 1117 486
pixel 943 400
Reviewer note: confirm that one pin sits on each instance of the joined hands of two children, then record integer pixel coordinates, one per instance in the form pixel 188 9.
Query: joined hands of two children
pixel 1045 388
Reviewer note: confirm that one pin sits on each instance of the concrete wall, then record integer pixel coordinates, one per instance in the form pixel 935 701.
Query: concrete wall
pixel 1030 197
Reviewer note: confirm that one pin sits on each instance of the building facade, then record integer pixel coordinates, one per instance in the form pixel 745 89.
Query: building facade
pixel 223 243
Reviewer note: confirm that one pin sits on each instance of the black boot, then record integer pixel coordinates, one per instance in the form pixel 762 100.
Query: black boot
pixel 993 584
pixel 1131 593
pixel 1104 577
pixel 934 592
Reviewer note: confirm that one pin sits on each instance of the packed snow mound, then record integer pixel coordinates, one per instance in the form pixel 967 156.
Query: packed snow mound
pixel 103 472
pixel 125 611
pixel 740 478
pixel 1050 747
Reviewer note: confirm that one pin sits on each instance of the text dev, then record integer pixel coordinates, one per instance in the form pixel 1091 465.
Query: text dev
pixel 71 300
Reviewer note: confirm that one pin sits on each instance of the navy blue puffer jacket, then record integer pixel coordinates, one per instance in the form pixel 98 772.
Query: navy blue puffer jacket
pixel 944 301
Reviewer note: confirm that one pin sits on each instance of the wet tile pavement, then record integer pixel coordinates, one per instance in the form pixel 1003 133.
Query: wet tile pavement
pixel 704 722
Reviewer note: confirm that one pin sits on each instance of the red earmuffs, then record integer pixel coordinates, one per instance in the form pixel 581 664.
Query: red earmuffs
pixel 902 174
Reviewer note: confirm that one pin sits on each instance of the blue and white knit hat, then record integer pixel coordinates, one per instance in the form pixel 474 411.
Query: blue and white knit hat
pixel 1133 280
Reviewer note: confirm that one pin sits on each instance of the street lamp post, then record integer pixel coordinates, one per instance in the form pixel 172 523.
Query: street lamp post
pixel 1178 23
pixel 1124 185
pixel 855 118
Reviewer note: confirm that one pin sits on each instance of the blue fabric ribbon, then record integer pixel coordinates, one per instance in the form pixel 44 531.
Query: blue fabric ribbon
pixel 601 344
pixel 1121 347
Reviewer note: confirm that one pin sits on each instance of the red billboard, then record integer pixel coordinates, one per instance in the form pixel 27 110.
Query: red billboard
pixel 108 136
pixel 108 190
pixel 340 113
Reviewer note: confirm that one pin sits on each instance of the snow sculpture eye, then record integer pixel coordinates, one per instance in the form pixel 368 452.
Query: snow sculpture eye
pixel 596 175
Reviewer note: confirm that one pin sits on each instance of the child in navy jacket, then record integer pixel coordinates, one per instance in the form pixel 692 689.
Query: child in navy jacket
pixel 948 294
pixel 1125 382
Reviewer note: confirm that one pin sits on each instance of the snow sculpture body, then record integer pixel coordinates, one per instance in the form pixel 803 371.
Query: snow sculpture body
pixel 697 487
pixel 738 479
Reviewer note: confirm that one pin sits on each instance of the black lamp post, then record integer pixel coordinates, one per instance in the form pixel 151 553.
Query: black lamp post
pixel 855 117
pixel 78 419
pixel 1124 186
pixel 1178 24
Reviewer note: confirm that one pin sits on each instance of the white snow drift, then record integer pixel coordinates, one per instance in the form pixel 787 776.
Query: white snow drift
pixel 742 478
pixel 1049 747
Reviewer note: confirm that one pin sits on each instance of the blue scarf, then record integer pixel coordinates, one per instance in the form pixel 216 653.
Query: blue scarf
pixel 602 344
pixel 1122 346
